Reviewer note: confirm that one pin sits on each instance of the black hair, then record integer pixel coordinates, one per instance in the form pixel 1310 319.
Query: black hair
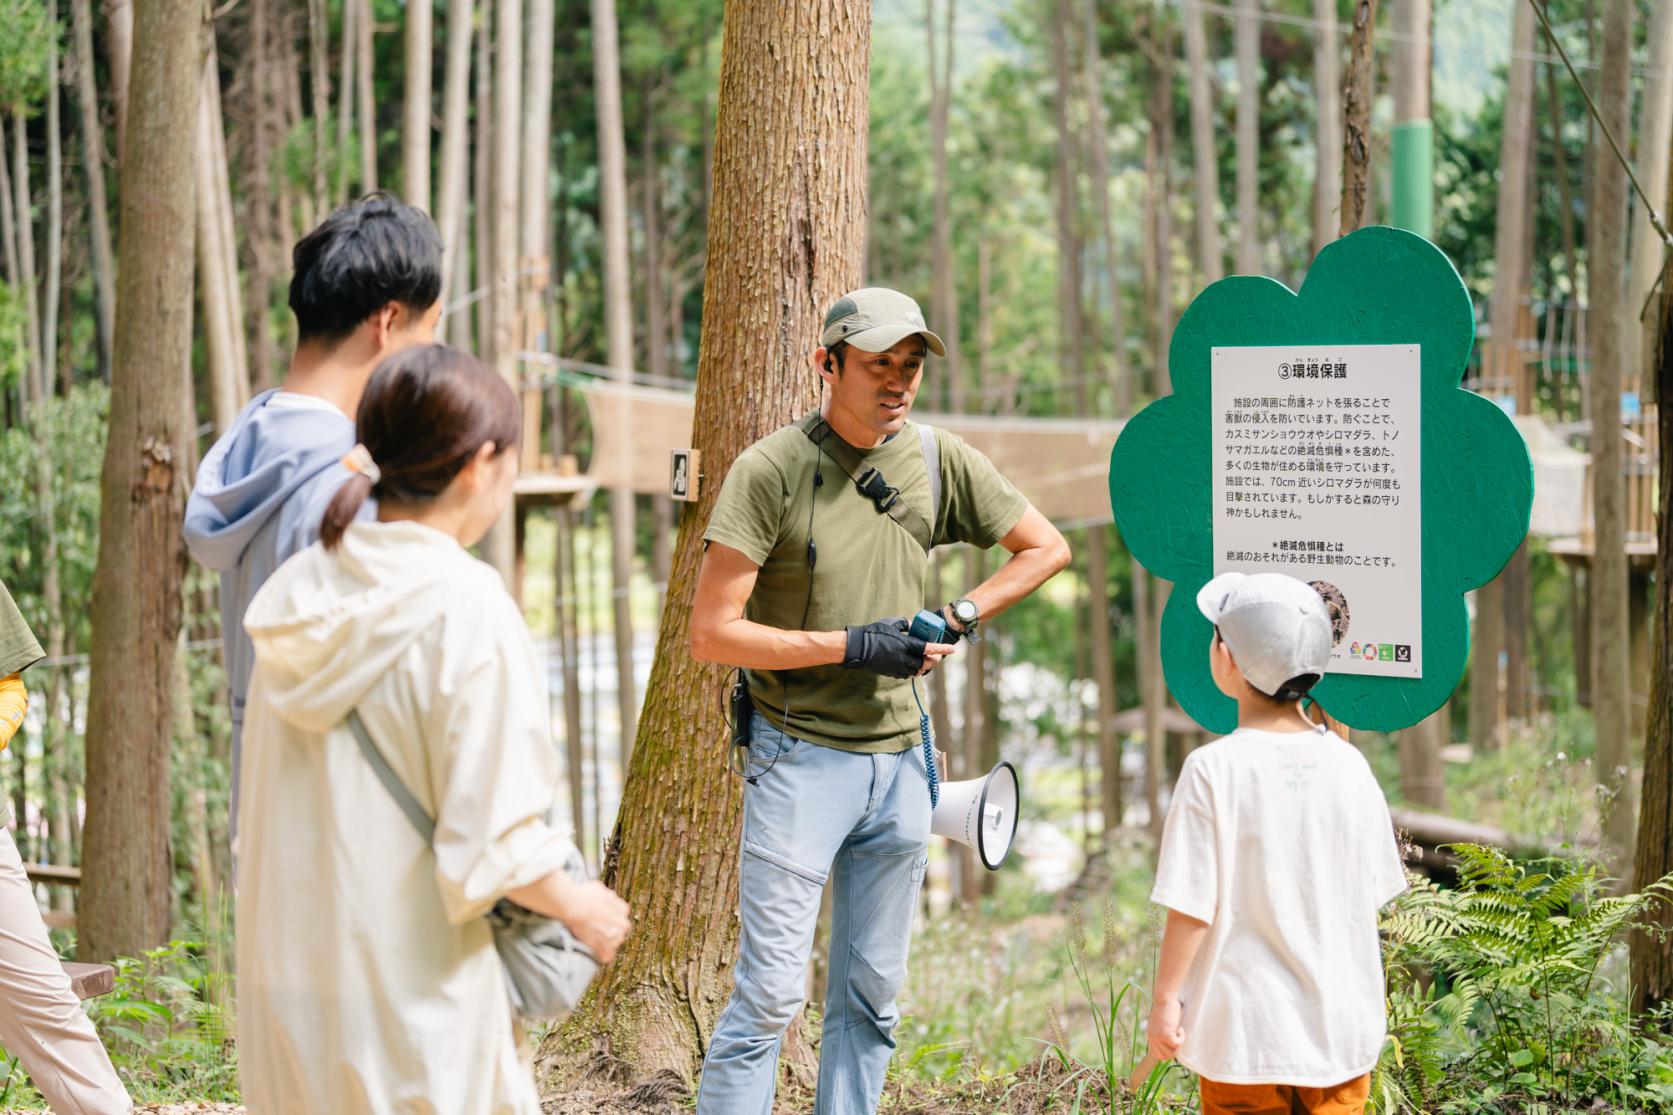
pixel 426 412
pixel 1288 693
pixel 362 257
pixel 836 352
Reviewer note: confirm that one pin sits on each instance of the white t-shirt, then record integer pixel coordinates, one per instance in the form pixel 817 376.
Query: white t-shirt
pixel 1282 843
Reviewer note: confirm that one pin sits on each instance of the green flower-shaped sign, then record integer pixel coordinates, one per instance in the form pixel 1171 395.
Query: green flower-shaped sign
pixel 1377 286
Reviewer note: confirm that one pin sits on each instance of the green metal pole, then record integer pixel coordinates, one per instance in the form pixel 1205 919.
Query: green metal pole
pixel 1414 177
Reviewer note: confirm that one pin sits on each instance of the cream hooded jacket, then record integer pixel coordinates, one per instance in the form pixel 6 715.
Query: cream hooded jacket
pixel 368 981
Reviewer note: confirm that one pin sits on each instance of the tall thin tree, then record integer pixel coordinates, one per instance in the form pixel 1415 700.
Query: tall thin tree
pixel 1327 84
pixel 1356 109
pixel 142 560
pixel 785 237
pixel 455 144
pixel 1248 40
pixel 415 104
pixel 1606 251
pixel 1205 161
pixel 618 333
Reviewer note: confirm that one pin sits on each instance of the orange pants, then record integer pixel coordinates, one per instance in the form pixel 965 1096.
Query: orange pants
pixel 1285 1099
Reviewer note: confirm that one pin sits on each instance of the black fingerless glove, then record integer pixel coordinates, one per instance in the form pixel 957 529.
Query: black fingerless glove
pixel 884 647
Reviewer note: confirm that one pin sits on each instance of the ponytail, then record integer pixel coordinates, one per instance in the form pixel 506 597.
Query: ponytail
pixel 344 509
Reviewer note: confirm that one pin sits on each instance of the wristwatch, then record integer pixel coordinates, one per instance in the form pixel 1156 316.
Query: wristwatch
pixel 965 611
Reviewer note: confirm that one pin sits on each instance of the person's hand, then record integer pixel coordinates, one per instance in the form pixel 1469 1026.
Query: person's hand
pixel 1165 1031
pixel 597 917
pixel 933 654
pixel 887 647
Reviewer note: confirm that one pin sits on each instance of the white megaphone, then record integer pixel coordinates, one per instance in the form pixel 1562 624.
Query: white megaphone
pixel 981 813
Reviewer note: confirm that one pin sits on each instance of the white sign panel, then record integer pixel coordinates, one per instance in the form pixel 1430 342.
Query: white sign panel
pixel 1317 474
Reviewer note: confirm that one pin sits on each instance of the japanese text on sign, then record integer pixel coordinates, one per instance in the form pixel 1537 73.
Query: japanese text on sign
pixel 1317 474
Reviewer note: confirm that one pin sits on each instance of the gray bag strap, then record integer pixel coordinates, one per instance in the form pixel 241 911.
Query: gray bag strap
pixel 392 781
pixel 932 465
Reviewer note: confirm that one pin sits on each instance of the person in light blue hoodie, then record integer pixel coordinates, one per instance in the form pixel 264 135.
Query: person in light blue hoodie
pixel 365 283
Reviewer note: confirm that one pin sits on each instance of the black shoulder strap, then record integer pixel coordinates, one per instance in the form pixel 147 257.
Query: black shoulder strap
pixel 869 481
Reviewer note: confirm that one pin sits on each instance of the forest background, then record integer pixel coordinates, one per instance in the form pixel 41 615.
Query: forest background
pixel 1053 180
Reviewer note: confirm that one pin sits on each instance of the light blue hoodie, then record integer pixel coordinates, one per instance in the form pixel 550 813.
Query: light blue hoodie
pixel 260 494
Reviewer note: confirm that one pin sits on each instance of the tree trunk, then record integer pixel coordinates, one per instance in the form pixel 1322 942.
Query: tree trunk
pixel 618 328
pixel 1327 81
pixel 1356 105
pixel 415 109
pixel 1606 227
pixel 1422 778
pixel 944 296
pixel 1652 955
pixel 217 264
pixel 1205 161
pixel 23 203
pixel 1510 270
pixel 8 221
pixel 350 53
pixel 569 645
pixel 785 236
pixel 54 227
pixel 455 142
pixel 1518 627
pixel 1655 130
pixel 319 92
pixel 535 198
pixel 499 548
pixel 1565 188
pixel 1101 190
pixel 368 128
pixel 1248 137
pixel 120 14
pixel 650 200
pixel 482 188
pixel 141 563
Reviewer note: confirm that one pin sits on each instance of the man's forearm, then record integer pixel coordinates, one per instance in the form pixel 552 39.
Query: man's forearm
pixel 756 646
pixel 1026 571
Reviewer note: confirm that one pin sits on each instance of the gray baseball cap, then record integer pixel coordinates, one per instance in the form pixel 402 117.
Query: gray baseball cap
pixel 1276 627
pixel 876 319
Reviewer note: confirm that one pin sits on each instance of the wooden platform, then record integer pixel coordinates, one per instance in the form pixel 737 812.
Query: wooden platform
pixel 89 980
pixel 1641 552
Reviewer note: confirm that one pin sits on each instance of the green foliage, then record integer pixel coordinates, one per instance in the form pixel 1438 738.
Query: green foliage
pixel 24 51
pixel 1497 995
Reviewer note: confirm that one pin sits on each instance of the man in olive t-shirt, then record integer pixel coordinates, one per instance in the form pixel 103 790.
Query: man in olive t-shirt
pixel 806 581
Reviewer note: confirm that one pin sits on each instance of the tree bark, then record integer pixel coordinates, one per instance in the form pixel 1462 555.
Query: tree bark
pixel 217 263
pixel 23 203
pixel 1510 269
pixel 54 225
pixel 1652 955
pixel 141 563
pixel 1205 161
pixel 1356 103
pixel 1655 130
pixel 535 198
pixel 350 53
pixel 785 235
pixel 455 143
pixel 944 296
pixel 120 15
pixel 1565 187
pixel 482 180
pixel 1119 375
pixel 415 108
pixel 8 219
pixel 618 329
pixel 319 92
pixel 499 548
pixel 368 129
pixel 1248 137
pixel 1327 80
pixel 1606 227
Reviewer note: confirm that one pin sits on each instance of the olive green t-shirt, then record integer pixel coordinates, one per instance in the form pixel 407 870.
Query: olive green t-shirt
pixel 18 648
pixel 868 567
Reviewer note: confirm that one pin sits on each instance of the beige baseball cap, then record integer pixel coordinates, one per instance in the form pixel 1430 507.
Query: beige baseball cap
pixel 876 319
pixel 1276 627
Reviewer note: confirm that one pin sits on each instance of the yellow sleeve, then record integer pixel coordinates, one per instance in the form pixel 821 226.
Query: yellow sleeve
pixel 14 702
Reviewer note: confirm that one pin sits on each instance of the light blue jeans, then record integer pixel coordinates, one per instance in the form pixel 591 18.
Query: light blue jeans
pixel 816 813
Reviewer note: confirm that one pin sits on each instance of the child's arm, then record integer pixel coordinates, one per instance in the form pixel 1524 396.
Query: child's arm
pixel 14 702
pixel 1180 942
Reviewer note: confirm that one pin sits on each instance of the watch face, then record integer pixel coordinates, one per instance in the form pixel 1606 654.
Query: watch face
pixel 964 611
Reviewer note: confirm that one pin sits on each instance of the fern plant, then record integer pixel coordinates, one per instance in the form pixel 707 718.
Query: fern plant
pixel 1495 994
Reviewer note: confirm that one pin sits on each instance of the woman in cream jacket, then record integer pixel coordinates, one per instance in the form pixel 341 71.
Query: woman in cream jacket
pixel 368 980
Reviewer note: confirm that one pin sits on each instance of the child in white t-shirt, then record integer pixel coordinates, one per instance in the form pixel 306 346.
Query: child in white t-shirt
pixel 1277 854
